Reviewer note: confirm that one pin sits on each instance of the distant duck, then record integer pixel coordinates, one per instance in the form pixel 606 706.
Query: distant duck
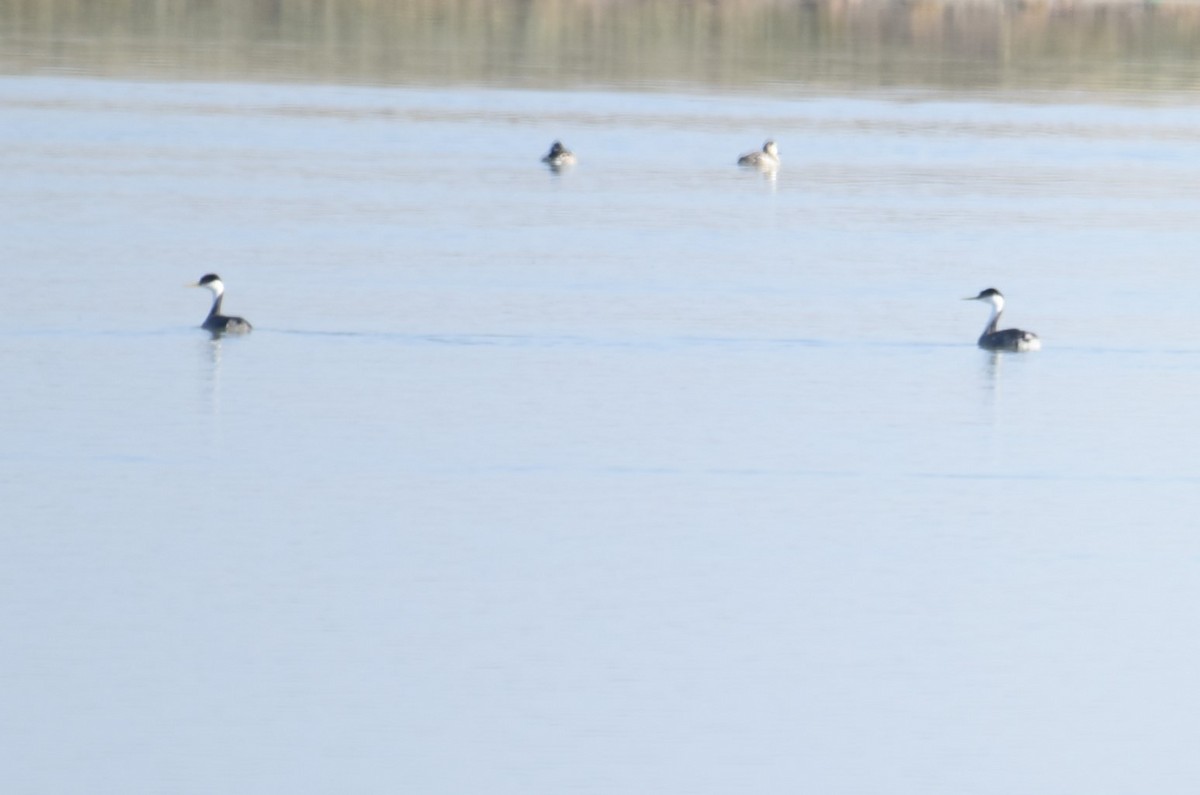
pixel 559 156
pixel 216 322
pixel 1009 339
pixel 767 158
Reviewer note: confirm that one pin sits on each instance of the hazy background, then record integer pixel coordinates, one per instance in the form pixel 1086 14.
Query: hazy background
pixel 777 46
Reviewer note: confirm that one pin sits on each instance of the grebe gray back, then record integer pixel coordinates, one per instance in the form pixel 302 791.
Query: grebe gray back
pixel 559 156
pixel 1009 339
pixel 216 322
pixel 767 158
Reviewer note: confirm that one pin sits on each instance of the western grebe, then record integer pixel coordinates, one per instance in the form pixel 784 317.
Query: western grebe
pixel 559 156
pixel 216 322
pixel 1009 339
pixel 767 158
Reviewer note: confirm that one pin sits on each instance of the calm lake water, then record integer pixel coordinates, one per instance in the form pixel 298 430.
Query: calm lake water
pixel 654 475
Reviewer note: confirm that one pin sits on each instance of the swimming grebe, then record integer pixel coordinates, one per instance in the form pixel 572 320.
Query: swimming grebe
pixel 1009 339
pixel 216 322
pixel 559 156
pixel 767 158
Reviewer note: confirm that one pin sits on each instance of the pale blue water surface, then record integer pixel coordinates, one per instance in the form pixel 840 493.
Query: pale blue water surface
pixel 653 476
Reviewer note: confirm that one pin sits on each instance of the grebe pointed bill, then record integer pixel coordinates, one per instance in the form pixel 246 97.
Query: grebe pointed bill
pixel 1009 339
pixel 216 322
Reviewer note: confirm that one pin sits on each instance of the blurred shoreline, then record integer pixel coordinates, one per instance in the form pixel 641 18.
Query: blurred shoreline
pixel 755 45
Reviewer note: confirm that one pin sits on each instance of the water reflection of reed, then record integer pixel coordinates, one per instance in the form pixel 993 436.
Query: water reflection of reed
pixel 560 43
